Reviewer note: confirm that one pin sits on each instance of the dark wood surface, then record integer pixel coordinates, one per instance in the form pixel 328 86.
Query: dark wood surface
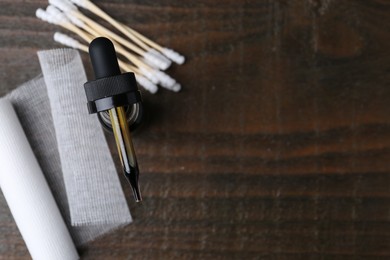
pixel 278 146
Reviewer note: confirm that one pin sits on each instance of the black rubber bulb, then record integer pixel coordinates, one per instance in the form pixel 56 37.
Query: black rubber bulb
pixel 103 58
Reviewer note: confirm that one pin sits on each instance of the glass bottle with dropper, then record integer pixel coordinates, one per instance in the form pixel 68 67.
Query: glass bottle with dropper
pixel 112 91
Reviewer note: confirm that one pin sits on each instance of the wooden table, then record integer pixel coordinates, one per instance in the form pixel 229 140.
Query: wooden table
pixel 277 147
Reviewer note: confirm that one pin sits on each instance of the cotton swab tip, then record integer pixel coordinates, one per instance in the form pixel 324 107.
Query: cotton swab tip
pixel 66 40
pixel 146 84
pixel 55 15
pixel 173 55
pixel 76 21
pixel 45 16
pixel 176 87
pixel 41 14
pixel 159 56
pixel 155 61
pixel 149 75
pixel 164 80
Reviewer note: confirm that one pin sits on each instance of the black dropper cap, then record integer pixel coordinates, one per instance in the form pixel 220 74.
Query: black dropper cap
pixel 110 88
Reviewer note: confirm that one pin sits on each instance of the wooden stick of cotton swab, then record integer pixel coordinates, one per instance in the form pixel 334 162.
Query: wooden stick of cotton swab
pixel 72 13
pixel 70 42
pixel 171 54
pixel 149 58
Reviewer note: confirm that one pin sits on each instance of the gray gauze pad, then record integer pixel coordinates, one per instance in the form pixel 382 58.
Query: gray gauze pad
pixel 87 165
pixel 80 174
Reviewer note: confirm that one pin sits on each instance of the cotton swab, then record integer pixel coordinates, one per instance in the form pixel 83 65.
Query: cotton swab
pixel 70 42
pixel 171 54
pixel 166 81
pixel 50 17
pixel 66 14
pixel 72 12
pixel 55 16
pixel 149 56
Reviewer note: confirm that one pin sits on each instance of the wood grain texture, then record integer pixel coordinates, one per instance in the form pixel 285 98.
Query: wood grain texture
pixel 278 146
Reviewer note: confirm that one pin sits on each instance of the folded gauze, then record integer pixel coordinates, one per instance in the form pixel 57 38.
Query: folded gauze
pixel 70 147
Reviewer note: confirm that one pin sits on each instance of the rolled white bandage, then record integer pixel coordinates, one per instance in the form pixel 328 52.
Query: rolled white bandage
pixel 28 195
